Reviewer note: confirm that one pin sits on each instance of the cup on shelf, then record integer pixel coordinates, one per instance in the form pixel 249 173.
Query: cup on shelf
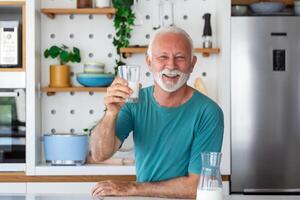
pixel 102 3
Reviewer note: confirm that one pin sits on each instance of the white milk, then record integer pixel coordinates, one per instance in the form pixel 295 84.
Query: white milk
pixel 216 194
pixel 135 87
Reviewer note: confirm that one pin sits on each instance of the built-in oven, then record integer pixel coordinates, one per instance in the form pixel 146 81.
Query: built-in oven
pixel 12 129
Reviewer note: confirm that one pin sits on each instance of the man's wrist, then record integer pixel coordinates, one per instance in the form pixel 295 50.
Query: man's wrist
pixel 110 113
pixel 134 188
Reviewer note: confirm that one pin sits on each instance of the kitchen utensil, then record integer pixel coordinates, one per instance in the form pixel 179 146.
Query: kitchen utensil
pixel 210 184
pixel 94 80
pixel 65 149
pixel 93 67
pixel 112 161
pixel 239 10
pixel 207 32
pixel 200 86
pixel 138 16
pixel 267 7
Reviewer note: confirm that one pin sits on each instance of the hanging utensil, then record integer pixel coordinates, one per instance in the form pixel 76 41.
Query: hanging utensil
pixel 138 16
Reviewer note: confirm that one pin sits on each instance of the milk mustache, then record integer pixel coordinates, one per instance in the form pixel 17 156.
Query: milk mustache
pixel 214 194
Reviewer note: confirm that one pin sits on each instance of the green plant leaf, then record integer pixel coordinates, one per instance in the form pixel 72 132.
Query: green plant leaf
pixel 46 53
pixel 76 50
pixel 64 57
pixel 54 51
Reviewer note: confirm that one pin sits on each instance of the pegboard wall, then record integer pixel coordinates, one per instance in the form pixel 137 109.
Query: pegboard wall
pixel 93 35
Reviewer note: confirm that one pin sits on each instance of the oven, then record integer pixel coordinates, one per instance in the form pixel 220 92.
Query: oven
pixel 12 130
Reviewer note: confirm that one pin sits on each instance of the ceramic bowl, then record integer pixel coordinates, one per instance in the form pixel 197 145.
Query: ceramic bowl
pixel 65 149
pixel 267 7
pixel 93 67
pixel 94 80
pixel 239 10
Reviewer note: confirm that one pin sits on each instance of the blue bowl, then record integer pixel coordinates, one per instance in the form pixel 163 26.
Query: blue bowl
pixel 267 7
pixel 65 149
pixel 94 80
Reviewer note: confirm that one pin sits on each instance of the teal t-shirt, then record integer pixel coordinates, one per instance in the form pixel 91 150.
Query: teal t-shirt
pixel 168 141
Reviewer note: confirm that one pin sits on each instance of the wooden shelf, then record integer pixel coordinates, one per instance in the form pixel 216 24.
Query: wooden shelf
pixel 51 12
pixel 21 177
pixel 51 91
pixel 246 2
pixel 131 50
pixel 20 69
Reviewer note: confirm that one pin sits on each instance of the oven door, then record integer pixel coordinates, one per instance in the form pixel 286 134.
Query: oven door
pixel 12 130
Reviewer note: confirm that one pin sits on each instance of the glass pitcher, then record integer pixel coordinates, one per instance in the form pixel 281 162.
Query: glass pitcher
pixel 210 184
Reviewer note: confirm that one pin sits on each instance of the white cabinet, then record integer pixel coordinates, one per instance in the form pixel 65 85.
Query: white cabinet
pixel 60 188
pixel 13 188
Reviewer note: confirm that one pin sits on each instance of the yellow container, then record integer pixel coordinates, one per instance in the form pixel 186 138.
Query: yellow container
pixel 60 76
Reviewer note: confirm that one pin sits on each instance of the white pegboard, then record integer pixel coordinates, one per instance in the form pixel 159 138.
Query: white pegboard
pixel 93 35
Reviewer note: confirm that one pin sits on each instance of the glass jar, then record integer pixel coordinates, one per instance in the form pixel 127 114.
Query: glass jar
pixel 210 183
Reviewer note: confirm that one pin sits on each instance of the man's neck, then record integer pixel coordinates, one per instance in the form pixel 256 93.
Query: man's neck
pixel 172 99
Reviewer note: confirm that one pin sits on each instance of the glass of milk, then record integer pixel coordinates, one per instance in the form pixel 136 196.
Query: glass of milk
pixel 210 183
pixel 131 73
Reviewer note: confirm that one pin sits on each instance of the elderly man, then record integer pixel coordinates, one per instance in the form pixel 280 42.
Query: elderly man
pixel 172 124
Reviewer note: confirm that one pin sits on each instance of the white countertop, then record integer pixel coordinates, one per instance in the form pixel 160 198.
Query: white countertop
pixel 88 197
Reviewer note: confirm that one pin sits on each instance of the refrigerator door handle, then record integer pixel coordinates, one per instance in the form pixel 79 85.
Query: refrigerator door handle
pixel 270 190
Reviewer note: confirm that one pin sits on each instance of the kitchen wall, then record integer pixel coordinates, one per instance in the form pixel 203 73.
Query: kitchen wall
pixel 92 34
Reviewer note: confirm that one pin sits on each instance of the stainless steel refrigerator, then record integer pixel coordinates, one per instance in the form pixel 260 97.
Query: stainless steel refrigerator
pixel 265 105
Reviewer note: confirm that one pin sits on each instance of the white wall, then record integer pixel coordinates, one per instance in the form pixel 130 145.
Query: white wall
pixel 44 32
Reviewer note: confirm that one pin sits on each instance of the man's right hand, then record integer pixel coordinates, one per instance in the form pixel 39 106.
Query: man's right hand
pixel 115 96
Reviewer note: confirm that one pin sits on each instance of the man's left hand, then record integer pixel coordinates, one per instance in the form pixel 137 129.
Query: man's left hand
pixel 114 188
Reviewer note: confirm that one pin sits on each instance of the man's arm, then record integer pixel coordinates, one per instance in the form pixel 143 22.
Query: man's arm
pixel 104 142
pixel 180 187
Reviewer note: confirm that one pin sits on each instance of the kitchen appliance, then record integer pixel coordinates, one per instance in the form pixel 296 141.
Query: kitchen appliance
pixel 207 32
pixel 265 109
pixel 65 149
pixel 9 48
pixel 12 129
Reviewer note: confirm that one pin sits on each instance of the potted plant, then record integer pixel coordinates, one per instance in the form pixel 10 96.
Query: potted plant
pixel 123 23
pixel 60 73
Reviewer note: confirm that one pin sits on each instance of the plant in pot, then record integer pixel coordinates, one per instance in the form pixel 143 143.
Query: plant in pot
pixel 60 73
pixel 123 23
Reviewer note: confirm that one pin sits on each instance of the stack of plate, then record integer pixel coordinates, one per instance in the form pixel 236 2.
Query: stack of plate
pixel 94 76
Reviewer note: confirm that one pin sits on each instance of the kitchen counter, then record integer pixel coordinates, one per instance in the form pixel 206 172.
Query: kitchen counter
pixel 87 197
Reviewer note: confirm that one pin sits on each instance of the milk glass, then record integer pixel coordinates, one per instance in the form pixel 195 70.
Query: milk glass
pixel 131 73
pixel 210 184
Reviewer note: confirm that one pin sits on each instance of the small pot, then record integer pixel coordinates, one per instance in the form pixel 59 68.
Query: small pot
pixel 84 3
pixel 66 149
pixel 59 76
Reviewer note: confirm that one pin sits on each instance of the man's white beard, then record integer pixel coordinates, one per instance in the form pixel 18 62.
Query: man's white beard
pixel 169 86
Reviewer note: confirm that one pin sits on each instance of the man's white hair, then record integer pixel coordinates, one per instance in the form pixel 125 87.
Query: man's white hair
pixel 166 30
